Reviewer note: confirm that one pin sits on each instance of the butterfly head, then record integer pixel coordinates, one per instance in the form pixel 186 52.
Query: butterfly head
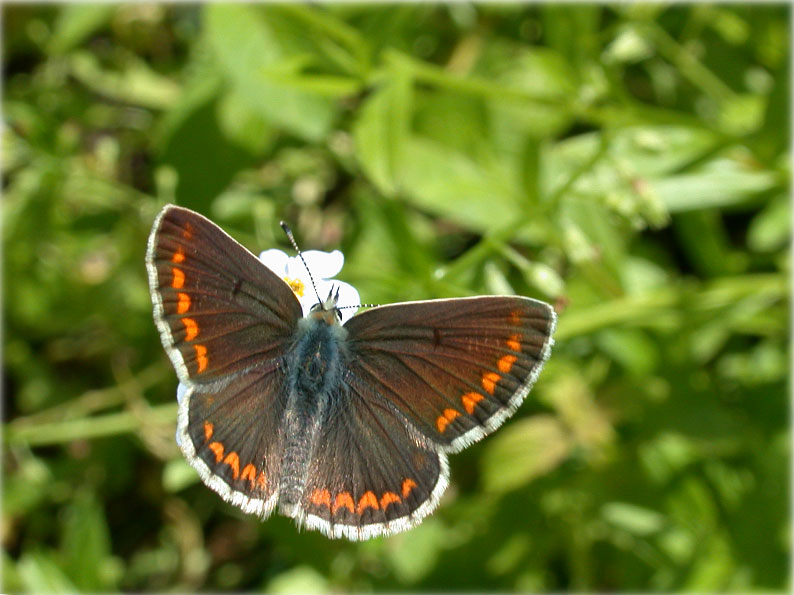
pixel 327 311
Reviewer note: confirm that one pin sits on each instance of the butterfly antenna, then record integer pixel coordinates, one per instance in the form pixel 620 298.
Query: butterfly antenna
pixel 288 231
pixel 359 306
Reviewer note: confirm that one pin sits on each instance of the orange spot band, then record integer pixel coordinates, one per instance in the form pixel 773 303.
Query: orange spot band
pixel 179 255
pixel 191 328
pixel 506 362
pixel 444 419
pixel 489 381
pixel 249 473
pixel 389 498
pixel 183 305
pixel 179 278
pixel 343 500
pixel 208 429
pixel 514 342
pixel 217 448
pixel 368 500
pixel 321 498
pixel 201 357
pixel 470 400
pixel 234 462
pixel 408 485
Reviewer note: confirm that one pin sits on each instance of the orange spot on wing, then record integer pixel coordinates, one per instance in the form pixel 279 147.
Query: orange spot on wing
pixel 368 500
pixel 179 255
pixel 514 342
pixel 470 400
pixel 451 414
pixel 261 479
pixel 187 233
pixel 234 462
pixel 321 498
pixel 444 419
pixel 515 317
pixel 208 429
pixel 506 362
pixel 183 305
pixel 191 328
pixel 179 278
pixel 249 473
pixel 489 381
pixel 343 500
pixel 441 423
pixel 408 485
pixel 217 448
pixel 201 357
pixel 389 498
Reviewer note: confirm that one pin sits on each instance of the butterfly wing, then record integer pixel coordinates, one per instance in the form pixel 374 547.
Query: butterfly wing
pixel 457 368
pixel 225 321
pixel 380 464
pixel 372 474
pixel 219 310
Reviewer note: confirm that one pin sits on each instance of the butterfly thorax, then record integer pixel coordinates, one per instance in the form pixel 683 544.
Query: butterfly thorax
pixel 314 365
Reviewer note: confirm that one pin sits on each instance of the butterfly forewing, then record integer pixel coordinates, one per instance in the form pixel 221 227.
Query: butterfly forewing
pixel 218 309
pixel 455 368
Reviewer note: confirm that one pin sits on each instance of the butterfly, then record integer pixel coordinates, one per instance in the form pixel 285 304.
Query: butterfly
pixel 345 428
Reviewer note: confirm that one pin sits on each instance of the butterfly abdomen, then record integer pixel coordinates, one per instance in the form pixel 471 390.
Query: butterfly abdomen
pixel 314 364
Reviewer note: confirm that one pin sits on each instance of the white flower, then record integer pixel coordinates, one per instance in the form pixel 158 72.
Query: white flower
pixel 323 265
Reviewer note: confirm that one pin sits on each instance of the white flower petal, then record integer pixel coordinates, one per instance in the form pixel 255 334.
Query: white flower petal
pixel 296 270
pixel 324 264
pixel 324 287
pixel 275 260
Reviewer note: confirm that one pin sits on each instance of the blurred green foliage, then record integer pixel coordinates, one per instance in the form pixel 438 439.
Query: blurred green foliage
pixel 628 162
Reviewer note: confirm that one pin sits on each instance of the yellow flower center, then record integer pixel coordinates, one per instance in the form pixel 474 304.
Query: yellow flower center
pixel 296 285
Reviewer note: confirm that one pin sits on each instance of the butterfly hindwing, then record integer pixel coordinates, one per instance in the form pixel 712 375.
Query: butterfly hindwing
pixel 372 474
pixel 455 368
pixel 219 310
pixel 231 434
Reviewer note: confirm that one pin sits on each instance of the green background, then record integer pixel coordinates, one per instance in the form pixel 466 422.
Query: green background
pixel 629 164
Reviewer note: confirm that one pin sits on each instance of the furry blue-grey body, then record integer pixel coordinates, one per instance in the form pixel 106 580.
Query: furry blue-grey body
pixel 315 365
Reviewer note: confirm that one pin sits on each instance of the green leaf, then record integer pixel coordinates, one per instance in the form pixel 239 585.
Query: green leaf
pixel 177 475
pixel 416 553
pixel 137 83
pixel 77 22
pixel 631 348
pixel 250 56
pixel 85 545
pixel 447 183
pixel 632 518
pixel 40 573
pixel 724 184
pixel 771 228
pixel 381 130
pixel 301 579
pixel 522 451
pixel 26 488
